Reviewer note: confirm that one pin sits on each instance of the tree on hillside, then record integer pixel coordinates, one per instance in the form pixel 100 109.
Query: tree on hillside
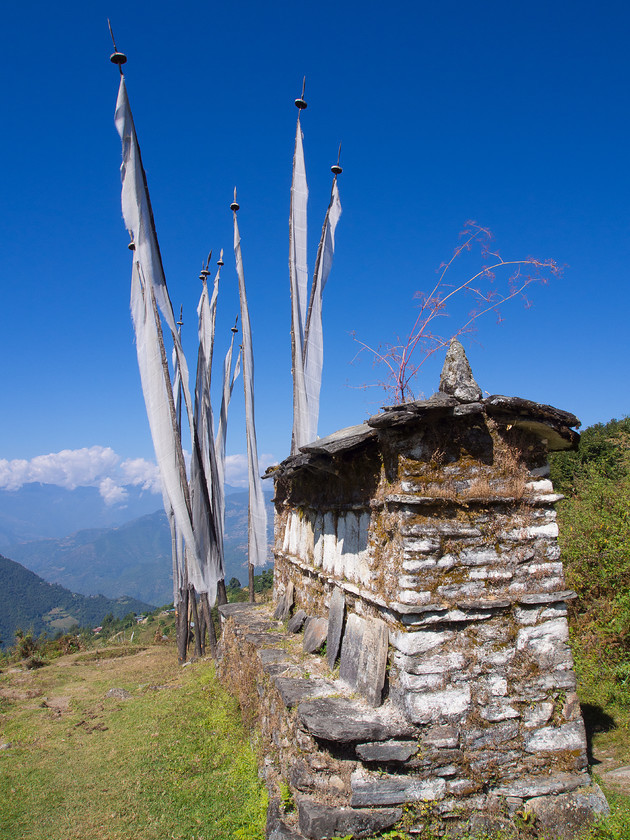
pixel 595 531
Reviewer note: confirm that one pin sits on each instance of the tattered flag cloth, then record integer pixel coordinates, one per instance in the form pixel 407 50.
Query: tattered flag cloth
pixel 298 272
pixel 148 292
pixel 307 346
pixel 228 387
pixel 257 521
pixel 206 489
pixel 314 337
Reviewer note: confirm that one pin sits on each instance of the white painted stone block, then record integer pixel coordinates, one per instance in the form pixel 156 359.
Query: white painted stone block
pixel 478 556
pixel 541 486
pixel 421 641
pixel 570 736
pixel 420 546
pixel 431 706
pixel 421 682
pixel 537 715
pixel 318 540
pixel 408 596
pixel 498 711
pixel 419 565
pixel 437 664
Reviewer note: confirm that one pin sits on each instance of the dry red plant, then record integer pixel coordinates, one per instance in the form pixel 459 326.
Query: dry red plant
pixel 495 283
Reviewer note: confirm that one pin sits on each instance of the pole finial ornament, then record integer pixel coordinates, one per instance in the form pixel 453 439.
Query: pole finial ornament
pixel 300 103
pixel 335 168
pixel 116 57
pixel 234 205
pixel 220 262
pixel 204 268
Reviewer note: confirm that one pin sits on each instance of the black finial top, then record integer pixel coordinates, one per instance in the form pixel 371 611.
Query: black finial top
pixel 180 323
pixel 116 57
pixel 235 328
pixel 204 268
pixel 301 102
pixel 335 168
pixel 132 244
pixel 234 205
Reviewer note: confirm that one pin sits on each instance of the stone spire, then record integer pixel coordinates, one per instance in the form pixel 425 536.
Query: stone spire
pixel 457 377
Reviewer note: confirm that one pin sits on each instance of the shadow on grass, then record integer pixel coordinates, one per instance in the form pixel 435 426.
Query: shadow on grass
pixel 595 720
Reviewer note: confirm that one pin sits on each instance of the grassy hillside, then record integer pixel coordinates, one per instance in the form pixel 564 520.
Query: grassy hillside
pixel 169 761
pixel 28 602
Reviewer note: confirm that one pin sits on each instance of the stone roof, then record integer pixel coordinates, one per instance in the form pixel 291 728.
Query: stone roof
pixel 459 395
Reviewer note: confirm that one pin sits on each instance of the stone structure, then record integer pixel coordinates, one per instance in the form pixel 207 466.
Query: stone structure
pixel 422 545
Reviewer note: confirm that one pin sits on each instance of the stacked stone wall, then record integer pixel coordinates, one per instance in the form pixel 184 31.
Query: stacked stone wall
pixel 423 550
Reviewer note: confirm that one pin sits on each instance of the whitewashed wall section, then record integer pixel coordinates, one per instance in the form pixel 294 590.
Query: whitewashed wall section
pixel 335 543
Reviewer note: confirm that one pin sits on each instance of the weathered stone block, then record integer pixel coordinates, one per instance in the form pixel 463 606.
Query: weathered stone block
pixel 440 737
pixel 336 614
pixel 315 633
pixel 296 622
pixel 498 711
pixel 293 691
pixel 345 721
pixel 492 736
pixel 543 784
pixel 319 821
pixel 283 608
pixel 364 657
pixel 569 736
pixel 420 641
pixel 563 816
pixel 422 682
pixel 432 706
pixel 438 663
pixel 384 751
pixel 276 828
pixel 393 790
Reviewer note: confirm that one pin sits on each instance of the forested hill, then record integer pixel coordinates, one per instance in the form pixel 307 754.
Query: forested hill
pixel 594 522
pixel 28 602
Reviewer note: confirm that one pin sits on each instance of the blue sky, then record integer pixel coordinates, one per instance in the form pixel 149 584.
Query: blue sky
pixel 512 114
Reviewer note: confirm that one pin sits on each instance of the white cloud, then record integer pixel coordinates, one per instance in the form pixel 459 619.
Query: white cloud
pixel 94 466
pixel 101 467
pixel 236 468
pixel 111 492
pixel 137 471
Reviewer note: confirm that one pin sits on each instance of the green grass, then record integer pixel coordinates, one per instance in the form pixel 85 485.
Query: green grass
pixel 173 762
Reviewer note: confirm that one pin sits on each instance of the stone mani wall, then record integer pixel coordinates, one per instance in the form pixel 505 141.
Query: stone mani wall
pixel 425 543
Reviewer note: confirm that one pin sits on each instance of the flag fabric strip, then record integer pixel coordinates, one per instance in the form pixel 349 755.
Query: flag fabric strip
pixel 307 345
pixel 298 273
pixel 206 489
pixel 160 405
pixel 138 216
pixel 228 387
pixel 257 518
pixel 149 297
pixel 314 335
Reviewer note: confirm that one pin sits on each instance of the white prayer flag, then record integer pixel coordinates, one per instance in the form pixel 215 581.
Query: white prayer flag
pixel 257 520
pixel 298 272
pixel 148 292
pixel 314 336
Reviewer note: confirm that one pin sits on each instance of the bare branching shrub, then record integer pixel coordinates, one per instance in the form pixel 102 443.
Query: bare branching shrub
pixel 492 284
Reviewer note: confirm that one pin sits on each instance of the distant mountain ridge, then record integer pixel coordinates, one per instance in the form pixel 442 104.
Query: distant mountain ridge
pixel 39 511
pixel 132 558
pixel 28 602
